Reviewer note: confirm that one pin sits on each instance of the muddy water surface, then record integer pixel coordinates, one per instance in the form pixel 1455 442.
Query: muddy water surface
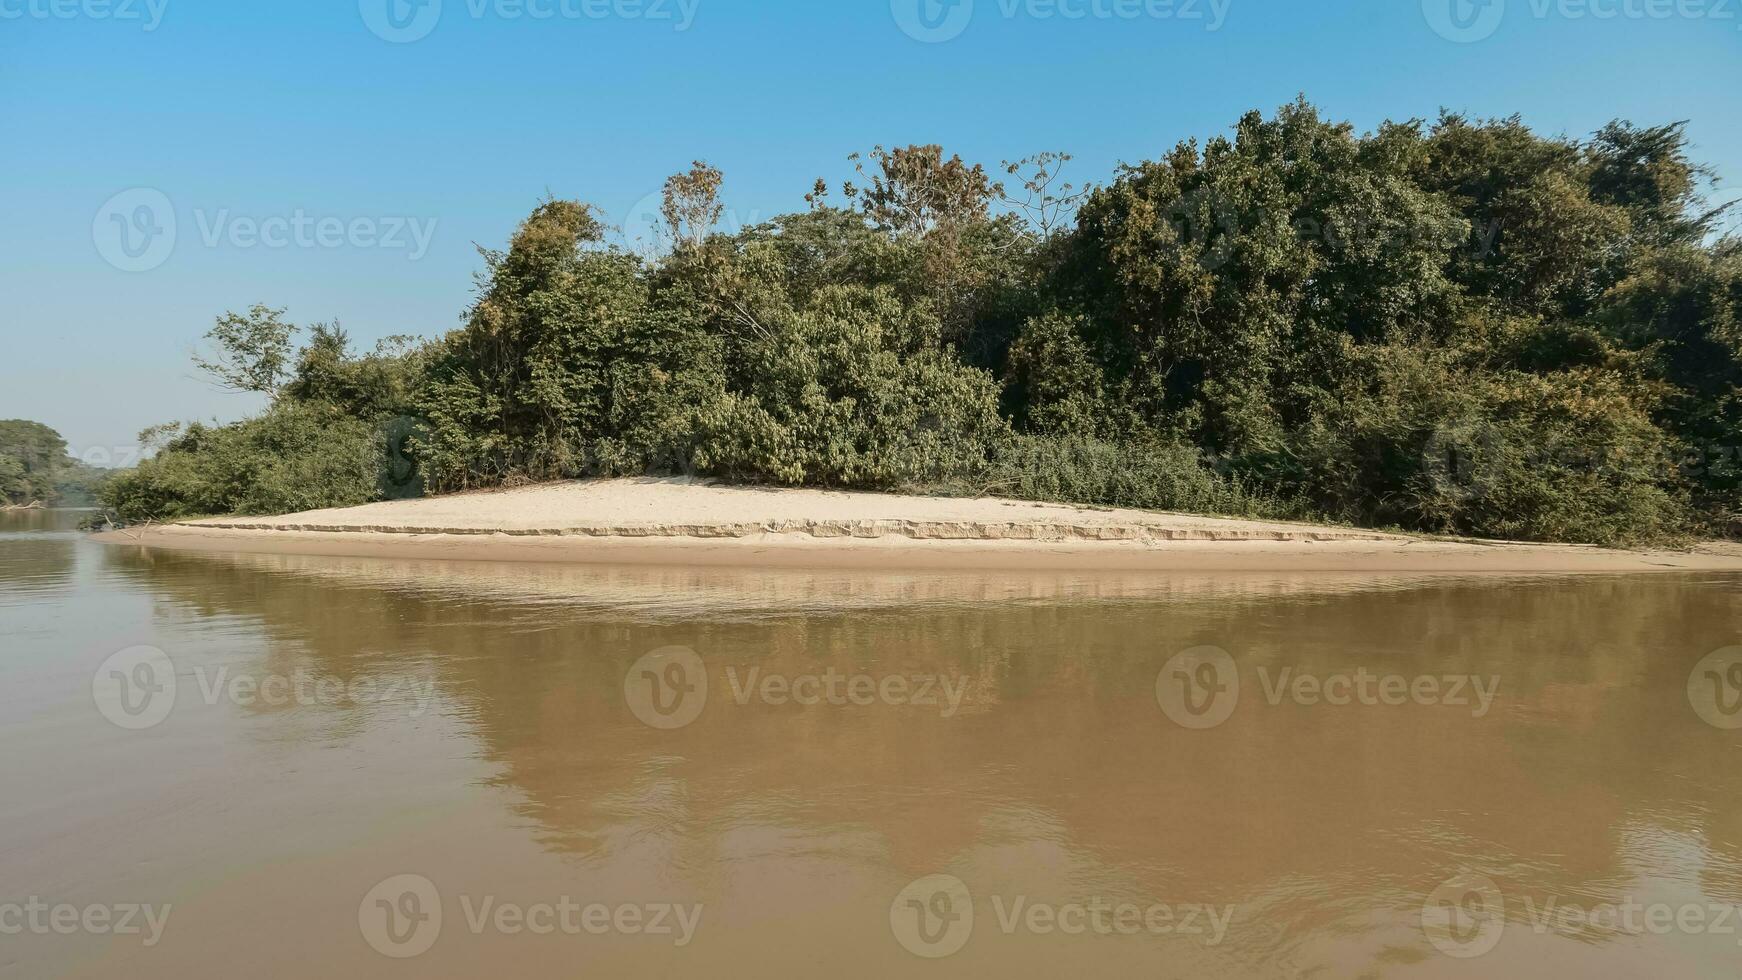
pixel 358 768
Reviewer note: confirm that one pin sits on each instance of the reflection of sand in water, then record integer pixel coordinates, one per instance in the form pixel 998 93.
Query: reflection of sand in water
pixel 675 590
pixel 1062 778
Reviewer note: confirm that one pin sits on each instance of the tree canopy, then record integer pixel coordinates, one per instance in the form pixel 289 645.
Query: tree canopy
pixel 1451 325
pixel 35 467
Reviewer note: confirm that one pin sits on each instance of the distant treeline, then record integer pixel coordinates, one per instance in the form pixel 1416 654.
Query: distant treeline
pixel 36 469
pixel 1457 326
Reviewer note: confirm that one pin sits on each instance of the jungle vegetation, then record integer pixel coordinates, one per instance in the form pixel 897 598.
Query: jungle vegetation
pixel 1451 325
pixel 35 468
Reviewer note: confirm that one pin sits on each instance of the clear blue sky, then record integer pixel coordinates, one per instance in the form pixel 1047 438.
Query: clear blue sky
pixel 240 111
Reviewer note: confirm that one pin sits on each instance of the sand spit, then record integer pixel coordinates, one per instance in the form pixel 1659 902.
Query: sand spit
pixel 676 521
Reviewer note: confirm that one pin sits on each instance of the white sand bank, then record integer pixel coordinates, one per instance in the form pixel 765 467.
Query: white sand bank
pixel 692 522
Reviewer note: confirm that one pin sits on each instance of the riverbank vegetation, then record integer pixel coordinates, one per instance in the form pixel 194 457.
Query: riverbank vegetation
pixel 1454 326
pixel 35 468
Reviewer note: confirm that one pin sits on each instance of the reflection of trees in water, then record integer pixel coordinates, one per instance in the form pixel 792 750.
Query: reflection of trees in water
pixel 1060 757
pixel 304 642
pixel 34 565
pixel 36 552
pixel 38 520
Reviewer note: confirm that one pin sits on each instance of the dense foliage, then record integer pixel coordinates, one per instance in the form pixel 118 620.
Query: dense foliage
pixel 1459 326
pixel 35 468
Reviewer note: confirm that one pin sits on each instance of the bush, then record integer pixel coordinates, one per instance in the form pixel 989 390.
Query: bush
pixel 1456 326
pixel 1418 439
pixel 856 391
pixel 1149 473
pixel 293 458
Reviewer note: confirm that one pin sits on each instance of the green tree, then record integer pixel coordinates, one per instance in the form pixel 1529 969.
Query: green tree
pixel 855 390
pixel 1451 325
pixel 33 459
pixel 249 351
pixel 691 204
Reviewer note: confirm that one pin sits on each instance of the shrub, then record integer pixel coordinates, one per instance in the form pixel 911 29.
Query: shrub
pixel 294 457
pixel 1151 473
pixel 855 391
pixel 1417 438
pixel 1454 326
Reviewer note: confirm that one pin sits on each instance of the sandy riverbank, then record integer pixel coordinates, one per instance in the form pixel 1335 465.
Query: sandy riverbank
pixel 690 522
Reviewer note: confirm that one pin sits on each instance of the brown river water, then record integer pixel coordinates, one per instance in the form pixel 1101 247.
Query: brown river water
pixel 290 766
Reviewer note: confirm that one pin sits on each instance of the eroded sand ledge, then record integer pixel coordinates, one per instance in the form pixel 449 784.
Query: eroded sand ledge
pixel 692 522
pixel 1042 531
